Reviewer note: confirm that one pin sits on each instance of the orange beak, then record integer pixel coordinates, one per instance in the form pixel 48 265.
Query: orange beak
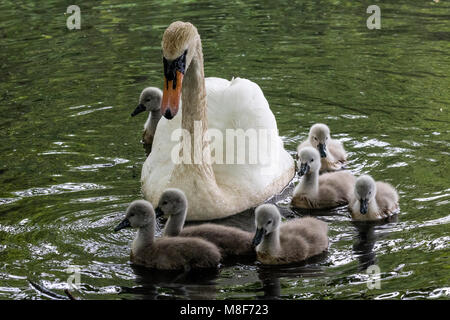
pixel 171 96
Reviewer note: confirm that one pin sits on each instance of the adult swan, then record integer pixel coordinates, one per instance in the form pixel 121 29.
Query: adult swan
pixel 217 185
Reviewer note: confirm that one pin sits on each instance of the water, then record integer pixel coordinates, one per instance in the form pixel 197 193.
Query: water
pixel 71 159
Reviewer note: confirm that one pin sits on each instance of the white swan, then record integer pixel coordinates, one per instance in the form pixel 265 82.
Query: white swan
pixel 214 190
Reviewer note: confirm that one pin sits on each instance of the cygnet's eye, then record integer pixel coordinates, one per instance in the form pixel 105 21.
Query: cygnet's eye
pixel 269 222
pixel 312 160
pixel 315 138
pixel 164 203
pixel 132 215
pixel 147 100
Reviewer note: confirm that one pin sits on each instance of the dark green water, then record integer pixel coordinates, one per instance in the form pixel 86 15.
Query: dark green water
pixel 71 159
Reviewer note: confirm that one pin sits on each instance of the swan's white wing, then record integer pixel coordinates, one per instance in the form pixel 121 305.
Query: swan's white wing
pixel 240 104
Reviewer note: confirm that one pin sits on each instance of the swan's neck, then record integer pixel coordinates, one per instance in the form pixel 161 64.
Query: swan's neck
pixel 194 116
pixel 144 238
pixel 174 224
pixel 309 184
pixel 271 243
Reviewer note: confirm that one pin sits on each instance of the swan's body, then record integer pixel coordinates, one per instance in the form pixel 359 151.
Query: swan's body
pixel 214 188
pixel 230 241
pixel 373 200
pixel 289 242
pixel 149 100
pixel 165 253
pixel 333 155
pixel 328 190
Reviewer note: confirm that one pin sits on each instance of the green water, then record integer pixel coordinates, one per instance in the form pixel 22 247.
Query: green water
pixel 71 158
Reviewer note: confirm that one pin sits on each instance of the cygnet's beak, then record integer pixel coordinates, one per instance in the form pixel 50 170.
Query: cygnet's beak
pixel 304 169
pixel 140 108
pixel 159 212
pixel 124 224
pixel 364 206
pixel 258 237
pixel 322 150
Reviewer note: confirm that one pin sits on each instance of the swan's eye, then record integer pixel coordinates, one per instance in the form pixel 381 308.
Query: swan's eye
pixel 164 203
pixel 147 100
pixel 315 138
pixel 269 222
pixel 132 215
pixel 312 160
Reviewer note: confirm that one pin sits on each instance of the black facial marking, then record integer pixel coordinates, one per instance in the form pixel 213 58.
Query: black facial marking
pixel 171 68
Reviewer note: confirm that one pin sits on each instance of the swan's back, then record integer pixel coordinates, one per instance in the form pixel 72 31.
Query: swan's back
pixel 178 253
pixel 386 197
pixel 230 241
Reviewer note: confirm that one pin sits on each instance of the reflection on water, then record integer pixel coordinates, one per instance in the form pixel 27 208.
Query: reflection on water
pixel 71 158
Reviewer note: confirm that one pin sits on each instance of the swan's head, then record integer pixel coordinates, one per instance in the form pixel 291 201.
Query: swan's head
pixel 178 46
pixel 365 191
pixel 267 220
pixel 173 202
pixel 308 161
pixel 149 100
pixel 318 137
pixel 139 214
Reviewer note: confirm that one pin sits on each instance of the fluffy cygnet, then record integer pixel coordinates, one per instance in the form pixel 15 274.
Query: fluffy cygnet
pixel 324 191
pixel 149 100
pixel 165 253
pixel 332 154
pixel 289 242
pixel 373 200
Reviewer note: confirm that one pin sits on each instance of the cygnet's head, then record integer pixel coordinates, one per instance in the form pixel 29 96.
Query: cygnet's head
pixel 149 100
pixel 365 191
pixel 308 161
pixel 318 137
pixel 267 220
pixel 173 202
pixel 139 214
